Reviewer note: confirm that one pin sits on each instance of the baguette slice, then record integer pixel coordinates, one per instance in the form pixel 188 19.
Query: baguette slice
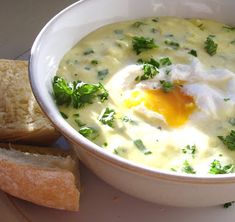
pixel 40 175
pixel 21 118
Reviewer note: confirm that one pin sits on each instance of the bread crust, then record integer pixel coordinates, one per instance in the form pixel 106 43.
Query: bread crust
pixel 54 187
pixel 50 188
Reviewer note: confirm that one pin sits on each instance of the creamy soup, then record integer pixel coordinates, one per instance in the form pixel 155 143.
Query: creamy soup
pixel 156 91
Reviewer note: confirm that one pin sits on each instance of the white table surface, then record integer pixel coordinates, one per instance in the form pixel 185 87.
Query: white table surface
pixel 20 21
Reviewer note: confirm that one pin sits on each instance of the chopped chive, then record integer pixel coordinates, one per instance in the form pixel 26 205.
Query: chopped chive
pixel 65 116
pixel 139 144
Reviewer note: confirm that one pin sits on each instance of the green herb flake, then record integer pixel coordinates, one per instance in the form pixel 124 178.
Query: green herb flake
pixel 232 42
pixel 107 117
pixel 77 93
pixel 149 72
pixel 229 140
pixel 189 149
pixel 193 52
pixel 165 61
pixel 231 121
pixel 88 132
pixel 228 204
pixel 63 91
pixel 138 24
pixel 166 86
pixel 173 169
pixel 94 62
pixel 102 74
pixel 172 44
pixel 140 145
pixel 65 116
pixel 226 99
pixel 127 119
pixel 150 61
pixel 141 44
pixel 79 122
pixel 154 30
pixel 229 28
pixel 187 168
pixel 118 31
pixel 210 46
pixel 150 68
pixel 217 168
pixel 88 51
pixel 155 19
pixel 201 26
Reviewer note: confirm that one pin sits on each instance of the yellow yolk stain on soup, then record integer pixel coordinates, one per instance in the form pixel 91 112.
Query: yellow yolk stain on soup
pixel 175 105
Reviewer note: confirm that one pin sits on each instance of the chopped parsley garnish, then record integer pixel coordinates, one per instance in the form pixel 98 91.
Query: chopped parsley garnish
pixel 107 117
pixel 65 116
pixel 193 52
pixel 140 145
pixel 229 140
pixel 165 61
pixel 88 51
pixel 77 93
pixel 141 44
pixel 210 46
pixel 229 28
pixel 228 204
pixel 172 44
pixel 150 68
pixel 151 62
pixel 88 132
pixel 166 86
pixel 138 24
pixel 189 149
pixel 94 62
pixel 149 71
pixel 217 168
pixel 102 74
pixel 187 168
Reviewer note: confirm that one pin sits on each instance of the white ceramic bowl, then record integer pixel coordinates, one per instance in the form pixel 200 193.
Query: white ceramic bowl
pixel 66 29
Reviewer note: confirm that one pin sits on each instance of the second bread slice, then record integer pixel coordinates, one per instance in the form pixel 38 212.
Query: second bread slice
pixel 21 118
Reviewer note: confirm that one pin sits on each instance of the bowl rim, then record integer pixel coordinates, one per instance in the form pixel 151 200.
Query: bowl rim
pixel 95 150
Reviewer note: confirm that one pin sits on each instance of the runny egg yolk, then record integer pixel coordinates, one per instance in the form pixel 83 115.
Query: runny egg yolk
pixel 175 105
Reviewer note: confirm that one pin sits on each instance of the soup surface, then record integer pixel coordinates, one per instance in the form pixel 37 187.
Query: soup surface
pixel 156 91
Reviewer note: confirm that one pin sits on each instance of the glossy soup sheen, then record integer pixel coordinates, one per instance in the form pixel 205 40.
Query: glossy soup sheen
pixel 171 87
